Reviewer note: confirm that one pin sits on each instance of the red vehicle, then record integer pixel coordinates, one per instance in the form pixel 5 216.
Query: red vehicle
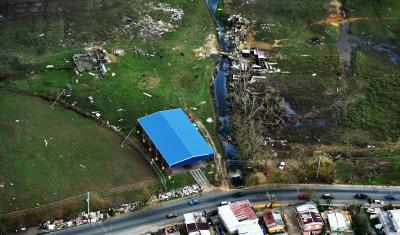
pixel 303 196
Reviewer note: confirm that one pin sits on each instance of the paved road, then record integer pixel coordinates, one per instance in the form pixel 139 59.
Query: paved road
pixel 143 221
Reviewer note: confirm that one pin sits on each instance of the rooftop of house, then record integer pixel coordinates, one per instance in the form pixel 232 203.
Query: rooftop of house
pixel 309 214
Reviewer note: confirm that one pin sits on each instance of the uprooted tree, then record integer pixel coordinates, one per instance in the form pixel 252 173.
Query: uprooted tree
pixel 257 117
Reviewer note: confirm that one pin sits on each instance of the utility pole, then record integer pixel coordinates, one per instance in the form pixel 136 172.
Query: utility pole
pixel 319 164
pixel 88 200
pixel 122 144
pixel 58 97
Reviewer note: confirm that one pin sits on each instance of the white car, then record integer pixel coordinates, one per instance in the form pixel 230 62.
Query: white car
pixel 223 203
pixel 371 211
pixel 380 202
pixel 281 165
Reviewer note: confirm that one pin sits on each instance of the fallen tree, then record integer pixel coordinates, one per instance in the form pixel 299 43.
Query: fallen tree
pixel 258 119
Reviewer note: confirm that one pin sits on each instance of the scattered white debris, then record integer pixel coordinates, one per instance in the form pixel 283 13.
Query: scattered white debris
pixel 203 102
pixel 82 165
pixel 76 81
pixel 314 74
pixel 50 66
pixel 67 61
pixel 2 185
pixel 11 183
pixel 73 104
pixel 305 55
pixel 147 94
pixel 119 110
pixel 13 198
pixel 41 35
pixel 120 120
pixel 93 74
pixel 45 143
pixel 17 120
pixel 37 204
pixel 91 99
pixel 193 108
pixel 209 120
pixel 98 114
pixel 115 128
pixel 113 74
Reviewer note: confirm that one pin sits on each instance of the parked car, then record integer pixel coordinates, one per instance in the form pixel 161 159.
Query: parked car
pixel 303 196
pixel 391 197
pixel 281 165
pixel 223 203
pixel 371 211
pixel 193 202
pixel 378 202
pixel 360 196
pixel 238 194
pixel 172 215
pixel 328 196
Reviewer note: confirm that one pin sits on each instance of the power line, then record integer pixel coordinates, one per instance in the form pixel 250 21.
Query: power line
pixel 80 198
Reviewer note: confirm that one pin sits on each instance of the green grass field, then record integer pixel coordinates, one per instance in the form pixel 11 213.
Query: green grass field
pixel 80 156
pixel 381 19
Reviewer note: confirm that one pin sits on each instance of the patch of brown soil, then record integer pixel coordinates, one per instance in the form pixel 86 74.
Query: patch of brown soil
pixel 149 82
pixel 253 43
pixel 209 48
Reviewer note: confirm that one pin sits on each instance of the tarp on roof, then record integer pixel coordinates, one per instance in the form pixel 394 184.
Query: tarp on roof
pixel 175 137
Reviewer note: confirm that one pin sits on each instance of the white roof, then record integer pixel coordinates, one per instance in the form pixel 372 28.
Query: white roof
pixel 189 218
pixel 201 232
pixel 250 229
pixel 229 219
pixel 395 216
pixel 337 221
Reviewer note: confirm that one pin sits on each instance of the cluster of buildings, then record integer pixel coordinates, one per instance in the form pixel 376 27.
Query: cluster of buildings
pixel 241 219
pixel 389 222
pixel 311 221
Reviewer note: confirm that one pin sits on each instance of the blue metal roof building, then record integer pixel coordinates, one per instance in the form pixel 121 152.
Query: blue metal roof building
pixel 175 137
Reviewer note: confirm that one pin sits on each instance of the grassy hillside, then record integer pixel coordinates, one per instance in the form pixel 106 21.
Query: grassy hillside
pixel 174 76
pixel 79 157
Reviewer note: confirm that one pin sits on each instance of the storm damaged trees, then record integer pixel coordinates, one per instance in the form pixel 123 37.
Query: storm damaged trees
pixel 257 114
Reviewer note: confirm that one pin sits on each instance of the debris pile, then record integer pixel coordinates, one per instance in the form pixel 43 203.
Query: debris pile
pixel 239 30
pixel 93 59
pixel 85 218
pixel 150 27
pixel 142 53
pixel 177 193
pixel 175 13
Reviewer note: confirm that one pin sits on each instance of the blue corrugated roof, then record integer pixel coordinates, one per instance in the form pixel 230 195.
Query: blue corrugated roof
pixel 175 137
